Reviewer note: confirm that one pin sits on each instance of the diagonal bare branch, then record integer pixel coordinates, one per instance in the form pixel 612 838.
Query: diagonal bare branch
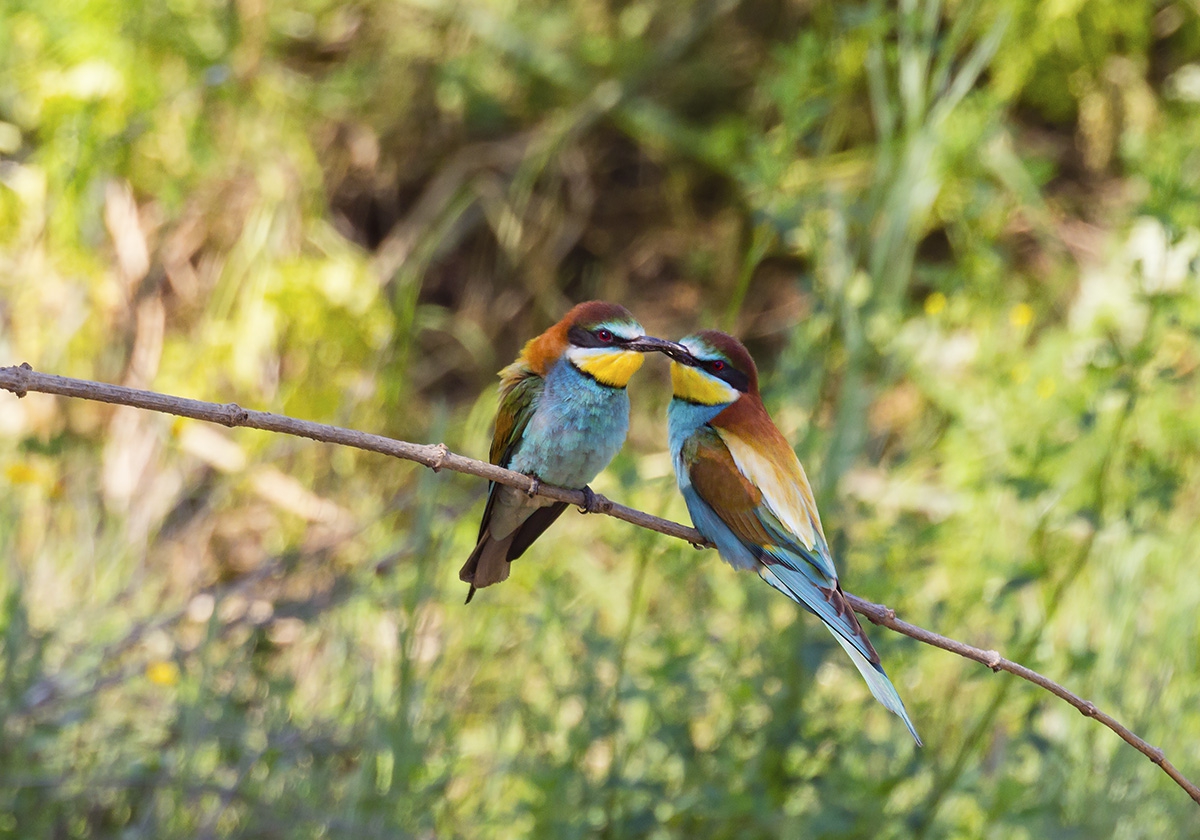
pixel 22 379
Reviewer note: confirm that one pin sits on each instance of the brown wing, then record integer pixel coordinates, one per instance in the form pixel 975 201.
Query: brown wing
pixel 718 481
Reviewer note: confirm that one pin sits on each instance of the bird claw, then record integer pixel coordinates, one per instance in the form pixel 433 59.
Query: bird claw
pixel 534 488
pixel 591 503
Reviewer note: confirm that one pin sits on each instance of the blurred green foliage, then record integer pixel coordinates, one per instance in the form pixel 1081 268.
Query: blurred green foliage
pixel 962 239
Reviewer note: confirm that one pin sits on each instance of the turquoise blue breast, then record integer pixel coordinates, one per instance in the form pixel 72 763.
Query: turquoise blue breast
pixel 684 419
pixel 576 429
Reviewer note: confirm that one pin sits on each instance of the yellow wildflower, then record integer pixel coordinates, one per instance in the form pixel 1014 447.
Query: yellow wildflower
pixel 20 473
pixel 1021 315
pixel 163 672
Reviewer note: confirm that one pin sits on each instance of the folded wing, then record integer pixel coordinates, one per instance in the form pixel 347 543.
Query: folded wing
pixel 760 500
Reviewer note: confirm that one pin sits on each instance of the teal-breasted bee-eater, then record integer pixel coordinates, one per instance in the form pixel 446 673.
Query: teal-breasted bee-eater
pixel 563 415
pixel 747 492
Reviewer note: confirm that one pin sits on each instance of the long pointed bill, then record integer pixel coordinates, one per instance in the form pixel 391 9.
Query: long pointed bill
pixel 650 344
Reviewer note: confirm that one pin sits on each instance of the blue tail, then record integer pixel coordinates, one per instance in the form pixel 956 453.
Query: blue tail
pixel 873 673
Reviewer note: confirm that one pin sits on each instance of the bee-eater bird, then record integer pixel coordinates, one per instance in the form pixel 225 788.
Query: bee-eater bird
pixel 747 492
pixel 563 415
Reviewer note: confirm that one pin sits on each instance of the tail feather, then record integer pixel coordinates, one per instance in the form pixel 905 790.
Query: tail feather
pixel 846 626
pixel 879 684
pixel 487 564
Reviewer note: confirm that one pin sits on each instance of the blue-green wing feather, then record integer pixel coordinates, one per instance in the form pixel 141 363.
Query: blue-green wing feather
pixel 519 394
pixel 728 508
pixel 736 501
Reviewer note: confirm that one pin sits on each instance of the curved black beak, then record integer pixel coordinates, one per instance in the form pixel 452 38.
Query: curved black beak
pixel 650 344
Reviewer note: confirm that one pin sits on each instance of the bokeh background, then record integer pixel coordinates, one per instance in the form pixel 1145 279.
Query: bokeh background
pixel 961 238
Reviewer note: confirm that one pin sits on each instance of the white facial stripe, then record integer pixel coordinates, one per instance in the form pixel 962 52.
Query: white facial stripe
pixel 582 355
pixel 627 332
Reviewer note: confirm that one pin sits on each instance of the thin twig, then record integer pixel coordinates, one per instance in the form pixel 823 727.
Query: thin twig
pixel 886 617
pixel 22 379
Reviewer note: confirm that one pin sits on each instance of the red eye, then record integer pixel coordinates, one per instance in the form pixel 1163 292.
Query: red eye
pixel 604 335
pixel 718 365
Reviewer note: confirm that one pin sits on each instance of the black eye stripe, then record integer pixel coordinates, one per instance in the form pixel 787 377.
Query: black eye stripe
pixel 728 374
pixel 581 337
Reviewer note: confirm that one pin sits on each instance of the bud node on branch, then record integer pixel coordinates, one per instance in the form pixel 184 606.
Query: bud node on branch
pixel 20 390
pixel 235 415
pixel 439 459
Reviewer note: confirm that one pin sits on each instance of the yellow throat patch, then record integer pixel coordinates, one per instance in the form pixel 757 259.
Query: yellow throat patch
pixel 698 387
pixel 608 366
